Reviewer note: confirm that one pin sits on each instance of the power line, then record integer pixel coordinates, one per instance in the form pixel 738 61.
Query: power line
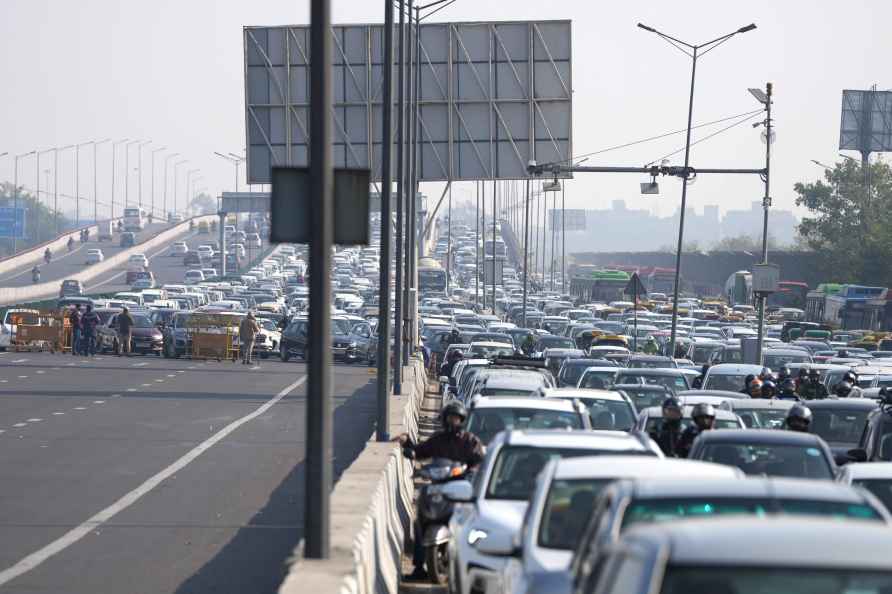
pixel 707 137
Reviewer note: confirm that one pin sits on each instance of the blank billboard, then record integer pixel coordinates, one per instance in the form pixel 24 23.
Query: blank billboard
pixel 866 123
pixel 492 97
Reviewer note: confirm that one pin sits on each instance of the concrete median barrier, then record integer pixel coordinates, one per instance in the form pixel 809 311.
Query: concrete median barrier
pixel 34 255
pixel 49 289
pixel 368 534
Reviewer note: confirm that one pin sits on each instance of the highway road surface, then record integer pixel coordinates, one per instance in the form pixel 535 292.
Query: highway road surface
pixel 66 263
pixel 149 475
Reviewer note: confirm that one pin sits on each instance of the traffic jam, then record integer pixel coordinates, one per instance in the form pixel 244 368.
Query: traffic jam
pixel 576 453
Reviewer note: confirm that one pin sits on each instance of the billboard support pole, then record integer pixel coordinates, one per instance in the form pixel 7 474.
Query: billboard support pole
pixel 383 424
pixel 563 238
pixel 766 203
pixel 319 402
pixel 494 193
pixel 526 250
pixel 400 204
pixel 477 267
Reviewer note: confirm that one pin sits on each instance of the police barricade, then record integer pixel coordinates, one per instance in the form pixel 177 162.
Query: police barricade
pixel 214 335
pixel 40 330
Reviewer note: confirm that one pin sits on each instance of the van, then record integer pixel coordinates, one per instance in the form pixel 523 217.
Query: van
pixel 128 239
pixel 203 227
pixel 104 230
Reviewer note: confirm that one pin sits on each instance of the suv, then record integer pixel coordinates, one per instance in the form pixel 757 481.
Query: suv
pixel 71 287
pixel 128 239
pixel 876 441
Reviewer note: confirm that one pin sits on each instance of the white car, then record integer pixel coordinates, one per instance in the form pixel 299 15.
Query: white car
pixel 876 477
pixel 505 482
pixel 205 251
pixel 94 256
pixel 563 504
pixel 179 248
pixel 238 249
pixel 608 410
pixel 10 320
pixel 252 240
pixel 193 277
pixel 138 260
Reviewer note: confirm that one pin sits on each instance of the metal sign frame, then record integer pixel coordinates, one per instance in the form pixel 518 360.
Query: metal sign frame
pixel 573 219
pixel 240 202
pixel 866 121
pixel 494 95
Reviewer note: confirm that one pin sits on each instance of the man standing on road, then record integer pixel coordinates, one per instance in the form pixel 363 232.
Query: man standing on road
pixel 247 330
pixel 74 319
pixel 89 322
pixel 125 331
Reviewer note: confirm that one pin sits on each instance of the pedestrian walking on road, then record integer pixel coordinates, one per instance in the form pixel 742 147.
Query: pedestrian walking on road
pixel 75 320
pixel 247 330
pixel 125 331
pixel 89 322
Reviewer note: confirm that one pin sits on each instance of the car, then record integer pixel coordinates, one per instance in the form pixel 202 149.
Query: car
pixel 744 555
pixel 651 362
pixel 174 218
pixel 179 248
pixel 487 417
pixel 94 256
pixel 729 376
pixel 875 444
pixel 349 344
pixel 144 280
pixel 11 319
pixel 253 241
pixel 209 273
pixel 876 477
pixel 145 337
pixel 572 369
pixel 505 481
pixel 765 451
pixel 128 239
pixel 841 423
pixel 192 258
pixel 498 381
pixel 193 277
pixel 608 410
pixel 598 377
pixel 490 349
pixel 71 288
pixel 674 379
pixel 760 413
pixel 138 261
pixel 775 358
pixel 650 419
pixel 563 503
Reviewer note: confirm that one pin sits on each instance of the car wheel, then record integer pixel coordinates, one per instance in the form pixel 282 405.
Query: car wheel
pixel 264 355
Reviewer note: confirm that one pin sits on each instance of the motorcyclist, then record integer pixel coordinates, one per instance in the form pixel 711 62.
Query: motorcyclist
pixel 449 364
pixel 669 433
pixel 755 390
pixel 47 255
pixel 651 347
pixel 35 274
pixel 451 442
pixel 528 343
pixel 798 418
pixel 783 374
pixel 788 390
pixel 70 243
pixel 813 389
pixel 843 390
pixel 769 389
pixel 852 378
pixel 746 383
pixel 704 420
pixel 454 337
pixel 766 374
pixel 698 381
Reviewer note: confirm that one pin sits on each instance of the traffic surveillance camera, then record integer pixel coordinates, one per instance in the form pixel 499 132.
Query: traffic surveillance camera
pixel 650 187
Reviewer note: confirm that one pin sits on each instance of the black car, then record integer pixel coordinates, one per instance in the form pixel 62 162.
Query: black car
pixel 841 423
pixel 192 259
pixel 128 239
pixel 875 444
pixel 572 369
pixel 145 337
pixel 352 341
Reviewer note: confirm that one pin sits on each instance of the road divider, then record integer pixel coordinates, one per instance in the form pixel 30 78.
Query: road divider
pixel 368 535
pixel 15 295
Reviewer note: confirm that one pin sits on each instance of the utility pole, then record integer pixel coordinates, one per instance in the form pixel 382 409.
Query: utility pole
pixel 127 171
pixel 114 146
pixel 15 200
pixel 139 170
pixel 152 185
pixel 166 161
pixel 400 205
pixel 765 99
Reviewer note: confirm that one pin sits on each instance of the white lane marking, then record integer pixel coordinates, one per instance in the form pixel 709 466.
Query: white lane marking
pixel 40 371
pixel 2 430
pixel 75 534
pixel 181 371
pixel 19 360
pixel 160 381
pixel 131 389
pixel 3 381
pixel 171 375
pixel 34 420
pixel 70 365
pixel 20 425
pixel 58 413
pixel 99 402
pixel 23 377
pixel 80 408
pixel 115 395
pixel 146 385
pixel 139 364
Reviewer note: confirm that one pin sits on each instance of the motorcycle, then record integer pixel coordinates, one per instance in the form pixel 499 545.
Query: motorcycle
pixel 434 511
pixel 47 256
pixel 70 244
pixel 35 276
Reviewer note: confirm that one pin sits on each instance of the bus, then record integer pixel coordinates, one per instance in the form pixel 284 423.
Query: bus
pixel 500 248
pixel 815 301
pixel 789 294
pixel 856 307
pixel 599 285
pixel 739 288
pixel 134 219
pixel 431 276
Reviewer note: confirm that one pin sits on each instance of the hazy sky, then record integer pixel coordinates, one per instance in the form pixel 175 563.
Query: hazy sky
pixel 172 71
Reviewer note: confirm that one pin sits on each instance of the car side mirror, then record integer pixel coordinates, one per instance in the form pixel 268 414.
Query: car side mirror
pixel 498 544
pixel 458 491
pixel 842 458
pixel 857 455
pixel 444 379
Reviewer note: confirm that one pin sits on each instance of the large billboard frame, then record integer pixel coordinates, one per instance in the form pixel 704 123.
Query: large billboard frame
pixel 493 96
pixel 866 121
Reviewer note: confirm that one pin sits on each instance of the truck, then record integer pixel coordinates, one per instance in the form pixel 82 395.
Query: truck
pixel 105 230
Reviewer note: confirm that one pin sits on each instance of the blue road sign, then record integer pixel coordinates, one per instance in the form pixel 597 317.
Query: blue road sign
pixel 12 222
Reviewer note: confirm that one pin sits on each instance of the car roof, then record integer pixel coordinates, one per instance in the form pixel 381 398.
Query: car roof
pixel 772 541
pixel 760 436
pixel 718 393
pixel 760 403
pixel 583 393
pixel 641 466
pixel 560 438
pixel 734 369
pixel 855 404
pixel 784 488
pixel 656 412
pixel 869 470
pixel 651 371
pixel 534 403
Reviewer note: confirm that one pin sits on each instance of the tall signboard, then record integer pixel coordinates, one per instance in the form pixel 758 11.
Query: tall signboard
pixel 570 219
pixel 866 122
pixel 12 222
pixel 493 96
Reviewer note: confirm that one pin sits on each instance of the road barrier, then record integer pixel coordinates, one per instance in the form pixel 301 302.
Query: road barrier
pixel 35 254
pixel 13 295
pixel 368 536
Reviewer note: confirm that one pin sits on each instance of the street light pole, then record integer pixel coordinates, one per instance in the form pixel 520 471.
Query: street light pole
pixel 175 166
pixel 77 181
pixel 127 171
pixel 765 99
pixel 235 161
pixel 166 161
pixel 37 206
pixel 15 199
pixel 152 186
pixel 56 184
pixel 114 146
pixel 188 186
pixel 95 183
pixel 139 170
pixel 694 54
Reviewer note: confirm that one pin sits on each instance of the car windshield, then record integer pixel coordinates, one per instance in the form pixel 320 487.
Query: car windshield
pixel 673 382
pixel 566 511
pixel 763 418
pixel 340 327
pixel 662 510
pixel 777 361
pixel 725 382
pixel 654 424
pixel 839 428
pixel 881 488
pixel 711 579
pixel 609 415
pixel 482 351
pixel 514 473
pixel 142 322
pixel 772 459
pixel 485 423
pixel 642 397
pixel 598 380
pixel 572 370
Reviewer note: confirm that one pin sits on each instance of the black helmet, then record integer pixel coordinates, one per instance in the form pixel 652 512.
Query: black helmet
pixel 799 418
pixel 788 385
pixel 453 408
pixel 672 402
pixel 814 372
pixel 769 389
pixel 784 373
pixel 672 405
pixel 803 371
pixel 850 376
pixel 703 409
pixel 766 373
pixel 843 389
